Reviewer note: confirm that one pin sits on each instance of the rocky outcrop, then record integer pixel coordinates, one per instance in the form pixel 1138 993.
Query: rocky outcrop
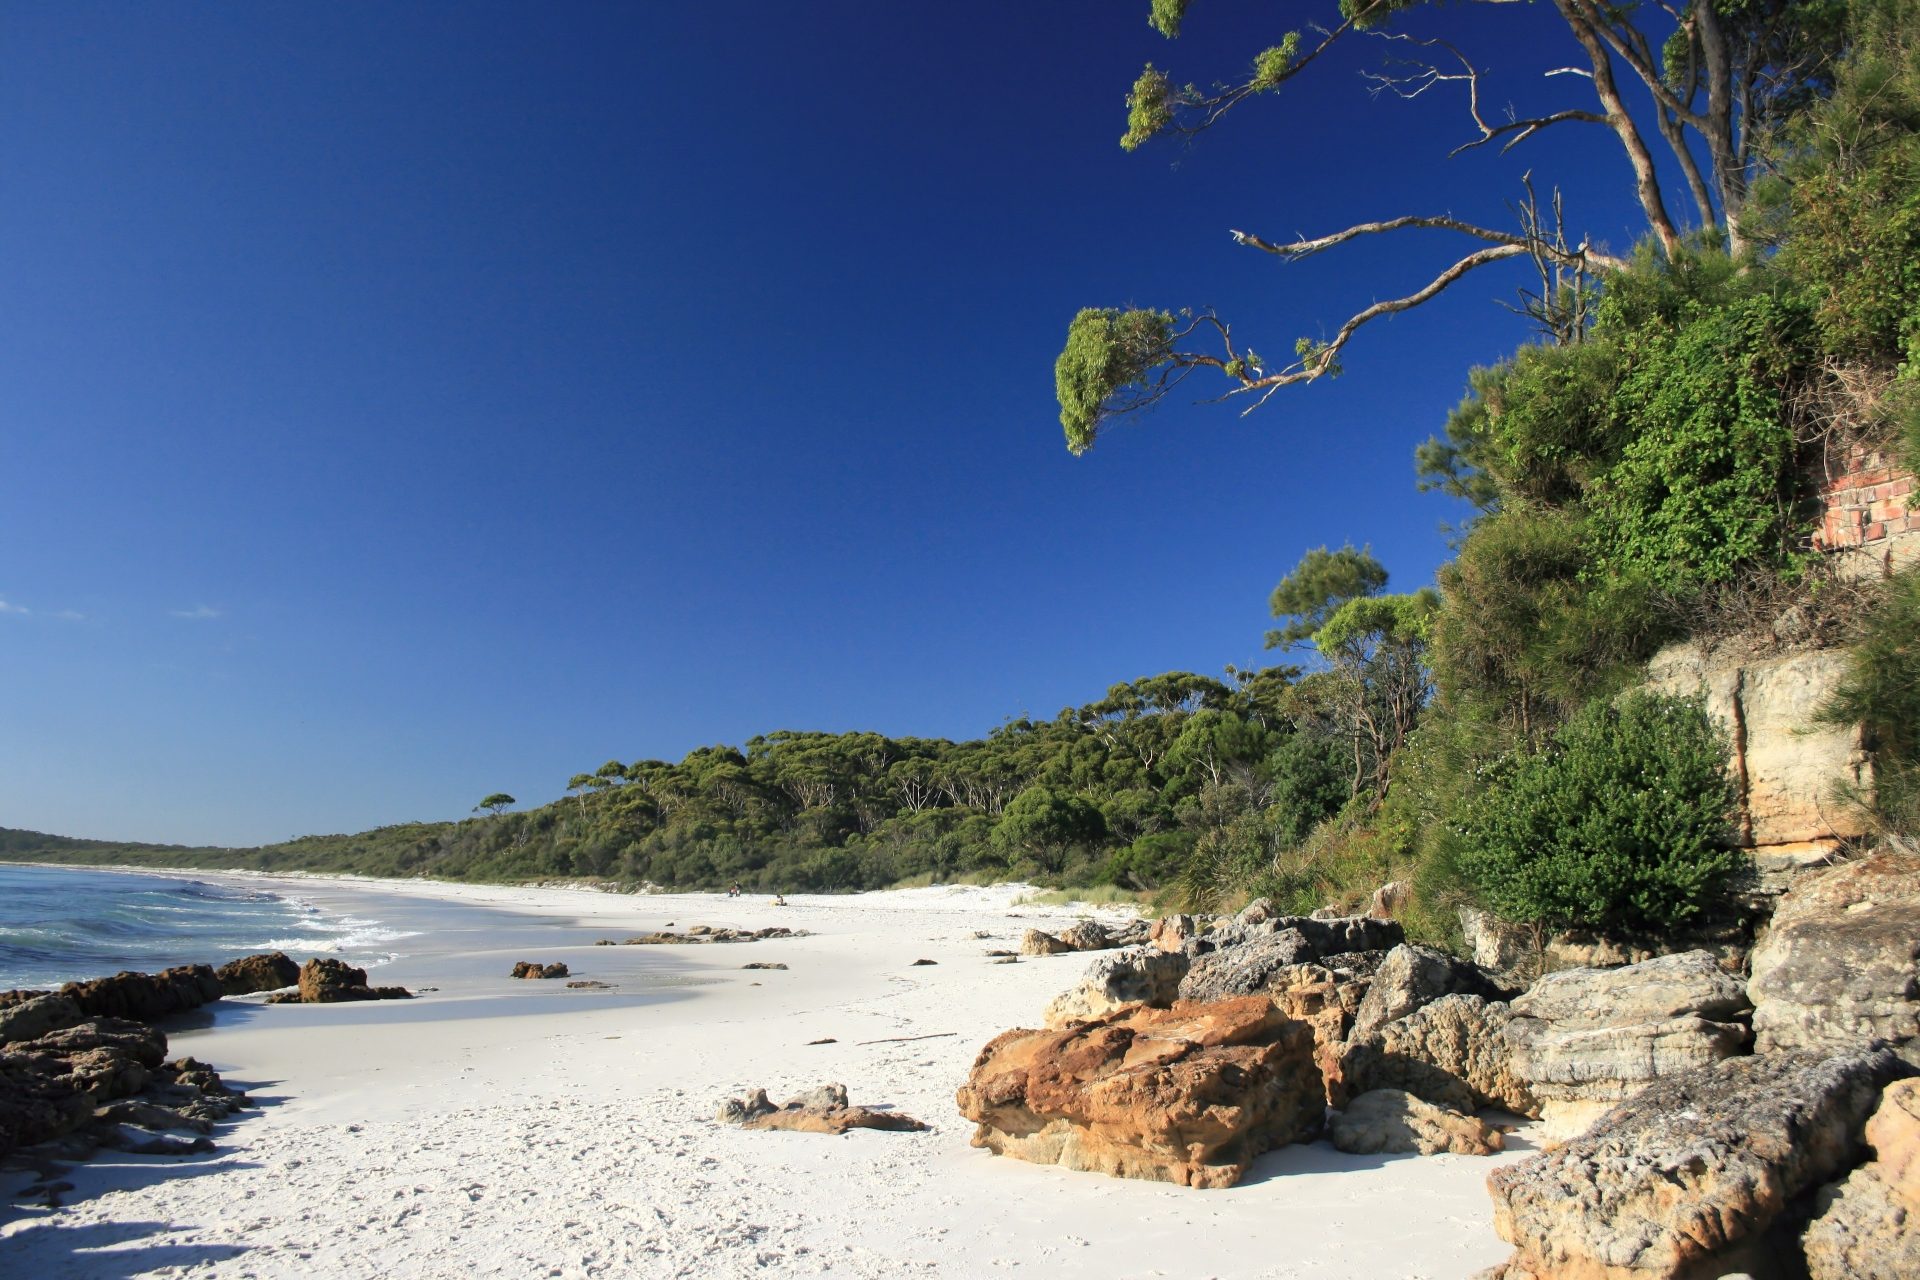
pixel 324 981
pixel 146 997
pixel 81 1085
pixel 1585 1039
pixel 1786 765
pixel 1513 955
pixel 534 969
pixel 1140 975
pixel 1868 1227
pixel 35 1015
pixel 1037 942
pixel 1453 1052
pixel 1411 976
pixel 1172 933
pixel 1841 963
pixel 821 1110
pixel 269 971
pixel 1394 1122
pixel 1246 968
pixel 1242 957
pixel 1187 1095
pixel 703 933
pixel 1687 1177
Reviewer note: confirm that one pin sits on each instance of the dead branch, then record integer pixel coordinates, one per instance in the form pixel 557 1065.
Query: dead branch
pixel 1425 75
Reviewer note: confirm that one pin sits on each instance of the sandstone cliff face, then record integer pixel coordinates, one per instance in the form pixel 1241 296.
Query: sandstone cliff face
pixel 1787 766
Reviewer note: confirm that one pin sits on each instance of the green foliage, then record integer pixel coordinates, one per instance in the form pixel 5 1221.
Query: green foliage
pixel 494 803
pixel 1043 824
pixel 1322 582
pixel 1708 483
pixel 1275 64
pixel 1881 693
pixel 1107 352
pixel 1621 821
pixel 1150 105
pixel 1167 15
pixel 1523 637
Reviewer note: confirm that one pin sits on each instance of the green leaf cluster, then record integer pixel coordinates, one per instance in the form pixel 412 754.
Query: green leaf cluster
pixel 1107 352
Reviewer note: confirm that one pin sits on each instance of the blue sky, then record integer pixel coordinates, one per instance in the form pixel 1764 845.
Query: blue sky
pixel 400 403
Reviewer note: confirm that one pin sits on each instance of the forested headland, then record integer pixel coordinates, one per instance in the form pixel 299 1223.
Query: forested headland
pixel 1649 468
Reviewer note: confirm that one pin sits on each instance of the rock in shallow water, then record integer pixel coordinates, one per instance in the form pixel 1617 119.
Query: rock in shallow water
pixel 1187 1095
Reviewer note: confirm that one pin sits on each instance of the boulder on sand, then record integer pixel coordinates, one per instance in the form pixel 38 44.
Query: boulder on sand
pixel 534 969
pixel 1413 975
pixel 324 981
pixel 146 997
pixel 1395 1122
pixel 269 971
pixel 821 1110
pixel 1188 1095
pixel 1037 942
pixel 1687 1177
pixel 1453 1052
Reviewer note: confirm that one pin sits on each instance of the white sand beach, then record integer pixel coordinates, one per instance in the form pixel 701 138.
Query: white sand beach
pixel 513 1129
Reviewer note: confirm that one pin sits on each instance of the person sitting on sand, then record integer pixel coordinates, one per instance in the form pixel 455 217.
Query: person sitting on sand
pixel 779 900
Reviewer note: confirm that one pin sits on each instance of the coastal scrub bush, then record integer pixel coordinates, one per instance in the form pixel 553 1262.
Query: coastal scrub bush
pixel 1620 821
pixel 1881 693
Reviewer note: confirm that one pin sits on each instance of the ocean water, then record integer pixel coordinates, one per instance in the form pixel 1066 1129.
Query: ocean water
pixel 58 925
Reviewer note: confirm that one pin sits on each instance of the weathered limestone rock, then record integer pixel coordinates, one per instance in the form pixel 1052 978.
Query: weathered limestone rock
pixel 1688 984
pixel 1086 935
pixel 32 1018
pixel 1333 935
pixel 1585 1039
pixel 1683 1178
pixel 821 1110
pixel 1397 1122
pixel 1841 963
pixel 1413 975
pixel 1868 1227
pixel 1187 1095
pixel 324 981
pixel 1453 1052
pixel 1786 765
pixel 269 971
pixel 1246 968
pixel 1139 975
pixel 1036 942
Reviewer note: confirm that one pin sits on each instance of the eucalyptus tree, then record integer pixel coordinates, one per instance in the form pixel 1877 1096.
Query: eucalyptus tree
pixel 1707 81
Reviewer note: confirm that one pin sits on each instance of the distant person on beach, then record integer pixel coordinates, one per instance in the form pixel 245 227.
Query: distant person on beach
pixel 734 891
pixel 779 900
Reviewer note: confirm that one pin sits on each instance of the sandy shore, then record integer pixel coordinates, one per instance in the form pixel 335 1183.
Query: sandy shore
pixel 494 1128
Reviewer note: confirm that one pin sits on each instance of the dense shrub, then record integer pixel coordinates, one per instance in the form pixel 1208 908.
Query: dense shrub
pixel 1622 820
pixel 1881 692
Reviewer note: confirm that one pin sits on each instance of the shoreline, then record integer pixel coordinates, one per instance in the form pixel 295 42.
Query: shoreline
pixel 501 1127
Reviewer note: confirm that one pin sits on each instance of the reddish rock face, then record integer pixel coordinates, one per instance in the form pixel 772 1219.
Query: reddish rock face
pixel 1188 1095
